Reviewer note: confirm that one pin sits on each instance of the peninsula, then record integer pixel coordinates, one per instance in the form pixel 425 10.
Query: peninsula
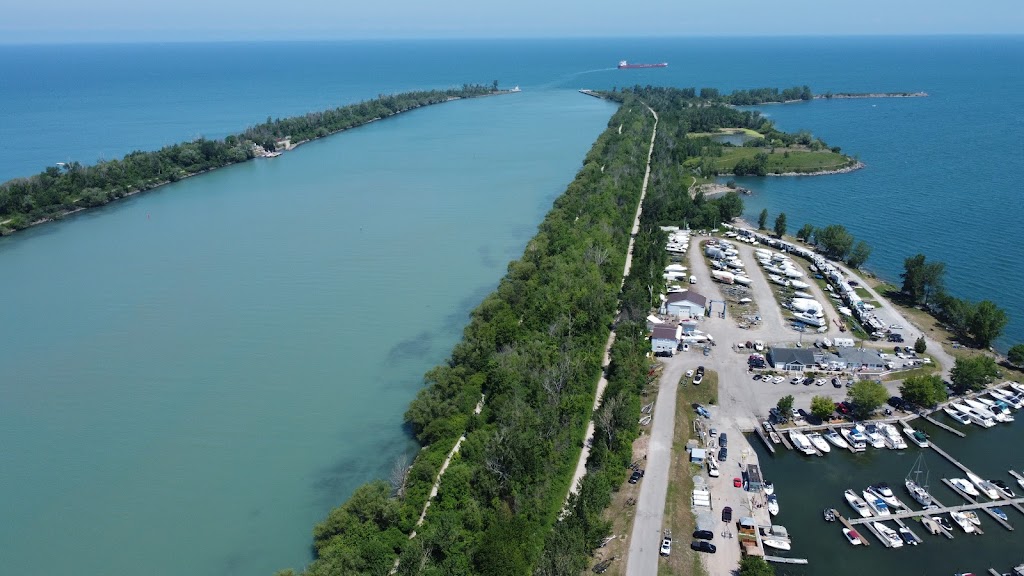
pixel 71 187
pixel 503 421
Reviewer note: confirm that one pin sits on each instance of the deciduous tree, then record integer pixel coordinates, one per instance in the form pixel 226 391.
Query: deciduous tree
pixel 859 254
pixel 987 323
pixel 866 396
pixel 785 405
pixel 925 390
pixel 822 407
pixel 972 372
pixel 780 225
pixel 920 345
pixel 1016 355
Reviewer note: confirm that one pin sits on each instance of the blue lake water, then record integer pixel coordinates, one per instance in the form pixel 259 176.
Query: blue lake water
pixel 194 376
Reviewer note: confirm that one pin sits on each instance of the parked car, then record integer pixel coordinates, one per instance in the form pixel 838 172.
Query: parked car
pixel 636 476
pixel 663 353
pixel 703 546
pixel 843 407
pixel 757 376
pixel 737 482
pixel 819 382
pixel 808 381
pixel 723 454
pixel 666 545
pixel 713 432
pixel 723 440
pixel 794 380
pixel 698 377
pixel 836 383
pixel 727 514
pixel 703 534
pixel 896 402
pixel 689 373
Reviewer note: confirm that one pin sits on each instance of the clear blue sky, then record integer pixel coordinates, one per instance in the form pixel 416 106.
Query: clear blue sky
pixel 170 20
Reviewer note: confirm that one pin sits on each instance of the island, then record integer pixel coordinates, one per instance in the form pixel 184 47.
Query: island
pixel 72 187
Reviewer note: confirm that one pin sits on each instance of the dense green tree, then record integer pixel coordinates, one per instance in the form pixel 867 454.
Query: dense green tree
pixel 987 323
pixel 755 566
pixel 920 345
pixel 780 225
pixel 925 391
pixel 859 254
pixel 1016 355
pixel 972 372
pixel 922 280
pixel 785 405
pixel 834 240
pixel 866 396
pixel 805 232
pixel 957 313
pixel 762 219
pixel 822 407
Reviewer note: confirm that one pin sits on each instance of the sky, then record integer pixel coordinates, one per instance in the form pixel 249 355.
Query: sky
pixel 56 21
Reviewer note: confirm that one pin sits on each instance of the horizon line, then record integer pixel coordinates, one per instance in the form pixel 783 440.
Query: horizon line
pixel 429 38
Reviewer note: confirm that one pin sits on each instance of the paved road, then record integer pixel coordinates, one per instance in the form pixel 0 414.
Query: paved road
pixel 645 541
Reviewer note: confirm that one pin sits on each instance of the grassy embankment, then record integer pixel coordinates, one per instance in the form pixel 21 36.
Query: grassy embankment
pixel 728 131
pixel 679 516
pixel 783 160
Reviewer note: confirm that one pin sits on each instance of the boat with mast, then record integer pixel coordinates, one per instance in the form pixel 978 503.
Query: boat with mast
pixel 918 490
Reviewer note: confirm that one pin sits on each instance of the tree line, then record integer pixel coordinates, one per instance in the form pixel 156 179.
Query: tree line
pixel 56 191
pixel 979 323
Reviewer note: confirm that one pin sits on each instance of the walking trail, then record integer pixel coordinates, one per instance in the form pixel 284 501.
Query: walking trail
pixel 581 464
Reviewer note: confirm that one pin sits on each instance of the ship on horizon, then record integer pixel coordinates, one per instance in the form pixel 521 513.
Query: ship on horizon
pixel 623 65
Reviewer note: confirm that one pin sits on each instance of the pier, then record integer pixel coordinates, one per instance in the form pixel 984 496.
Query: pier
pixel 940 510
pixel 972 500
pixel 764 438
pixel 784 560
pixel 846 523
pixel 945 427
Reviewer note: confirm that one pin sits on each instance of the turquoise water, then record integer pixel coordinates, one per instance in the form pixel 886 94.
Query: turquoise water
pixel 194 376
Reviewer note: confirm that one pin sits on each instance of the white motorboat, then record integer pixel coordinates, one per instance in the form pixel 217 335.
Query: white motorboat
pixel 962 521
pixel 801 294
pixel 964 486
pixel 1004 488
pixel 976 418
pixel 1000 394
pixel 834 437
pixel 987 488
pixel 883 491
pixel 801 443
pixel 776 537
pixel 877 505
pixel 768 488
pixel 892 437
pixel 956 415
pixel 773 504
pixel 888 536
pixel 829 515
pixel 809 318
pixel 743 280
pixel 983 409
pixel 852 537
pixel 874 436
pixel 819 442
pixel 1020 480
pixel 857 503
pixel 855 439
pixel 916 436
pixel 972 516
pixel 801 285
pixel 1017 386
pixel 930 525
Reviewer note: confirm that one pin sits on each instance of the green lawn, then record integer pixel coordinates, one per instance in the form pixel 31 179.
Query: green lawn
pixel 747 131
pixel 798 160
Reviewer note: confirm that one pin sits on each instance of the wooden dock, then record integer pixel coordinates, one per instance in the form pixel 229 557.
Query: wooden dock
pixel 846 524
pixel 785 441
pixel 764 438
pixel 784 560
pixel 945 427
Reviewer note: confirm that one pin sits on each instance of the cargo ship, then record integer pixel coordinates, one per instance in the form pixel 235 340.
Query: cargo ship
pixel 624 65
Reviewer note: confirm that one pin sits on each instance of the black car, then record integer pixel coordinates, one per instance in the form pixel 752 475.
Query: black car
pixel 723 440
pixel 727 514
pixel 757 376
pixel 808 381
pixel 636 476
pixel 704 535
pixel 703 546
pixel 836 383
pixel 896 402
pixel 663 353
pixel 723 454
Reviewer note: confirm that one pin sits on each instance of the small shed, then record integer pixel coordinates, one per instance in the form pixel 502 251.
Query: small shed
pixel 697 455
pixel 752 475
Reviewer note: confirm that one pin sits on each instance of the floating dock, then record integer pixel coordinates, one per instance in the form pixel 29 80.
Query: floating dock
pixel 784 560
pixel 764 438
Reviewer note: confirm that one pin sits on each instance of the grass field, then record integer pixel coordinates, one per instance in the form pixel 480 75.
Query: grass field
pixel 745 131
pixel 799 160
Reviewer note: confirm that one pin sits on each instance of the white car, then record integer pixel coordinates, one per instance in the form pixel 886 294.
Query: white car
pixel 666 545
pixel 779 379
pixel 689 373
